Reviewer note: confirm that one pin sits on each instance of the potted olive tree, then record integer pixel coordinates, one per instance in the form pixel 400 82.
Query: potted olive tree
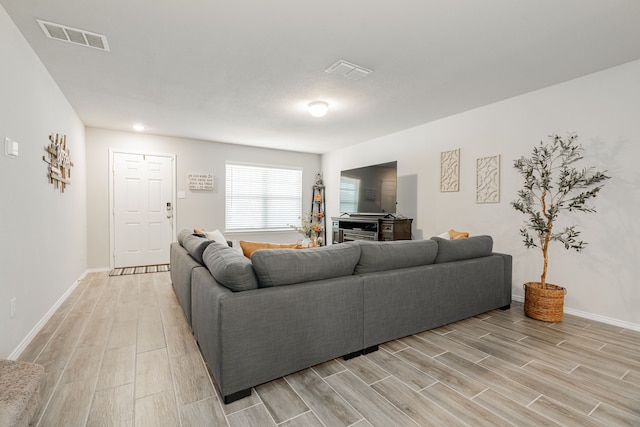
pixel 553 184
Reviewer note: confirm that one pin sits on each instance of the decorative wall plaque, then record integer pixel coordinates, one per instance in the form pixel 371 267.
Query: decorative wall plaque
pixel 201 181
pixel 59 162
pixel 449 170
pixel 488 179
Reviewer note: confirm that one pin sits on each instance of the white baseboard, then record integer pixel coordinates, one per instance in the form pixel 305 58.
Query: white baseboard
pixel 25 342
pixel 591 316
pixel 97 270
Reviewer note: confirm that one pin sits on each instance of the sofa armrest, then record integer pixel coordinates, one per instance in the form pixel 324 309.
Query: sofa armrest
pixel 182 265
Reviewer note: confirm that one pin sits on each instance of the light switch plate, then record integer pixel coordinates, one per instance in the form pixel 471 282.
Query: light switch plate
pixel 182 195
pixel 10 147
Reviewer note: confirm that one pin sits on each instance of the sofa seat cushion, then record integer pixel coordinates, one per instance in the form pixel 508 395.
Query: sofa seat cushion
pixel 379 256
pixel 277 267
pixel 229 267
pixel 460 249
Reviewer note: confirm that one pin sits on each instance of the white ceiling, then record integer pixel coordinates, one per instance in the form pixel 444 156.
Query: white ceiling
pixel 243 71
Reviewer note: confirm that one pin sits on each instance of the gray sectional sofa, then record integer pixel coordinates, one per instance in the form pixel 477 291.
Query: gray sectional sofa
pixel 288 309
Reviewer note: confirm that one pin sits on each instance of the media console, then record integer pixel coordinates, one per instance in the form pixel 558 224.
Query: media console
pixel 372 228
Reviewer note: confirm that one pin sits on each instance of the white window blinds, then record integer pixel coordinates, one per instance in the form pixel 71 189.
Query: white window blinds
pixel 262 197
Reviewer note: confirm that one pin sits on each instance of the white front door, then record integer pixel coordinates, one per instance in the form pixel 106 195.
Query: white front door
pixel 142 209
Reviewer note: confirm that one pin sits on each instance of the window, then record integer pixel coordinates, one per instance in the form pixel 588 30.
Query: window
pixel 262 197
pixel 349 190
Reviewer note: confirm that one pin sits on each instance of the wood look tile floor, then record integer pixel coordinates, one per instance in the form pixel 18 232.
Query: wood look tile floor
pixel 119 352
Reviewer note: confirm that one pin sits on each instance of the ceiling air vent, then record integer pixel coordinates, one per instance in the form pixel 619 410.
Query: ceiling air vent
pixel 74 35
pixel 348 70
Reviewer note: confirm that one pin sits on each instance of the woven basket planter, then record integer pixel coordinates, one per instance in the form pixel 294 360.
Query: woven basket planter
pixel 544 304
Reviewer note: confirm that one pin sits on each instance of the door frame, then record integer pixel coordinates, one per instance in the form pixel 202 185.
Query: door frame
pixel 112 228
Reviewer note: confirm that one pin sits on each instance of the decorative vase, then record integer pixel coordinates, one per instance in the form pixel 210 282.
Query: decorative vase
pixel 304 242
pixel 544 304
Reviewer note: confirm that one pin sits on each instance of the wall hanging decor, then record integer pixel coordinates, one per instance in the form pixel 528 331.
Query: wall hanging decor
pixel 201 181
pixel 449 170
pixel 59 161
pixel 488 179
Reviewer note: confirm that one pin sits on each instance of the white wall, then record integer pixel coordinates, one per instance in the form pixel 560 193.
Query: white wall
pixel 604 109
pixel 43 249
pixel 201 209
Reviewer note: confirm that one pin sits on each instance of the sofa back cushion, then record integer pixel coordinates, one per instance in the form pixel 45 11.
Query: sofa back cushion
pixel 229 267
pixel 196 245
pixel 277 267
pixel 182 234
pixel 379 256
pixel 459 249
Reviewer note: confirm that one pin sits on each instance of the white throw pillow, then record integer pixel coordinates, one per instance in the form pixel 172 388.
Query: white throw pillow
pixel 444 235
pixel 216 236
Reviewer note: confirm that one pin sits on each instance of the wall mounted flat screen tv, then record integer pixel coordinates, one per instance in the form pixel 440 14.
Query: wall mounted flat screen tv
pixel 369 190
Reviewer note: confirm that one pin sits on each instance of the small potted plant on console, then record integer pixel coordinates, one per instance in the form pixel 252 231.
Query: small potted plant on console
pixel 309 229
pixel 553 184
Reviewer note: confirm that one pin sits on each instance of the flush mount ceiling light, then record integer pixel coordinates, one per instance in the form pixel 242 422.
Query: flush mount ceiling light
pixel 138 127
pixel 318 108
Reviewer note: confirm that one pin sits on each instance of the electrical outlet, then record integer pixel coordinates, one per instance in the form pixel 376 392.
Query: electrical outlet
pixel 13 307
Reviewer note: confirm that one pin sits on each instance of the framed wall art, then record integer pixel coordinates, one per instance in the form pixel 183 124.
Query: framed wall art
pixel 450 170
pixel 488 179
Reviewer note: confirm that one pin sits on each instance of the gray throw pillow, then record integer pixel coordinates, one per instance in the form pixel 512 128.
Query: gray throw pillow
pixel 277 267
pixel 379 256
pixel 230 268
pixel 459 249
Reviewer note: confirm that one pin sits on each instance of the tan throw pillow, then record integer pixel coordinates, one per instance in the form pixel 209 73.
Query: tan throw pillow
pixel 453 234
pixel 250 247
